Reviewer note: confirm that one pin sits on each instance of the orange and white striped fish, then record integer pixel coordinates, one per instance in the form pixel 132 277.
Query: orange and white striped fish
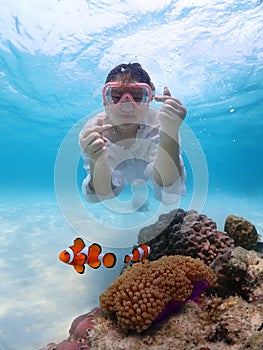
pixel 79 254
pixel 138 254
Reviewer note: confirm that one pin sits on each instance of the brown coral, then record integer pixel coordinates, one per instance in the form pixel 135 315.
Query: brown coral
pixel 143 291
pixel 185 233
pixel 242 231
pixel 239 272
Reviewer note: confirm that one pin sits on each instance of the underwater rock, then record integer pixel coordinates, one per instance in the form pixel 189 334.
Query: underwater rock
pixel 50 346
pixel 83 324
pixel 239 272
pixel 67 345
pixel 186 233
pixel 78 333
pixel 231 315
pixel 255 342
pixel 72 345
pixel 242 231
pixel 211 323
pixel 151 291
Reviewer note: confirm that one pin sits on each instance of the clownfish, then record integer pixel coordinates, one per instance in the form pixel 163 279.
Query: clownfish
pixel 138 254
pixel 79 254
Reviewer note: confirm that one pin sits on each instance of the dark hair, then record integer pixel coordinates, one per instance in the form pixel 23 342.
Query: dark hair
pixel 128 72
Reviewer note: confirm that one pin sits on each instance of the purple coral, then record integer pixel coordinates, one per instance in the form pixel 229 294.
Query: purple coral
pixel 174 306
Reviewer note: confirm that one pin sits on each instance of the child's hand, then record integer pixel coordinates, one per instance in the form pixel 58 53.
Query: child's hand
pixel 92 141
pixel 171 114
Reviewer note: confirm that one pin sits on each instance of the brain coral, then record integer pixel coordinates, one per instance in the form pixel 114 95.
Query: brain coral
pixel 185 233
pixel 146 291
pixel 242 231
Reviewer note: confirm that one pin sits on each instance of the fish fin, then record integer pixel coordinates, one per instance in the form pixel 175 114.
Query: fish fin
pixel 109 260
pixel 93 255
pixel 136 254
pixel 80 259
pixel 79 243
pixel 144 247
pixel 79 268
pixel 95 248
pixel 94 264
pixel 127 259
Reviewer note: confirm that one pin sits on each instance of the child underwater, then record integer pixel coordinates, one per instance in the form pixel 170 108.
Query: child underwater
pixel 130 141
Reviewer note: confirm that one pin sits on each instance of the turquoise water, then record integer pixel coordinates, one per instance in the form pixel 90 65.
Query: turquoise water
pixel 54 57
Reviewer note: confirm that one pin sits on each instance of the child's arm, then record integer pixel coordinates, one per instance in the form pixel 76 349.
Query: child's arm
pixel 167 166
pixel 93 144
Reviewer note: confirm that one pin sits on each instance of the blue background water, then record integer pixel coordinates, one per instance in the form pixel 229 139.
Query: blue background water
pixel 54 57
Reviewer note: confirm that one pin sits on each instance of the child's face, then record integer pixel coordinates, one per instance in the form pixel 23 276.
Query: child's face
pixel 126 102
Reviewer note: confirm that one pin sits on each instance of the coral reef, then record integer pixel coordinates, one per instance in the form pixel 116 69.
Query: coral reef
pixel 78 333
pixel 211 324
pixel 67 345
pixel 145 292
pixel 83 324
pixel 239 272
pixel 164 221
pixel 185 233
pixel 254 342
pixel 242 231
pixel 229 317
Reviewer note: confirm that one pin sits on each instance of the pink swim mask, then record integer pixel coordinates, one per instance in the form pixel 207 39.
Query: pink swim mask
pixel 139 94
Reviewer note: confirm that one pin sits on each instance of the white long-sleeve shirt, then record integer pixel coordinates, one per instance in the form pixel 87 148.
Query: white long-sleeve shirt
pixel 136 162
